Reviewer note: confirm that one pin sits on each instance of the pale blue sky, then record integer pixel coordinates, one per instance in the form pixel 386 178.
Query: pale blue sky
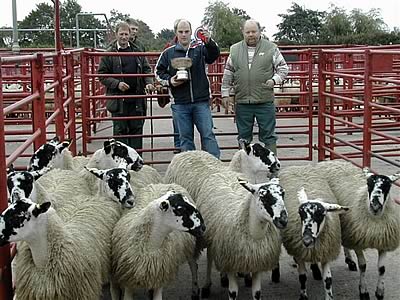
pixel 161 14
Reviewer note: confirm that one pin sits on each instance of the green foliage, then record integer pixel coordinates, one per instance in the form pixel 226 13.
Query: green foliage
pixel 300 25
pixel 42 17
pixel 224 23
pixel 6 38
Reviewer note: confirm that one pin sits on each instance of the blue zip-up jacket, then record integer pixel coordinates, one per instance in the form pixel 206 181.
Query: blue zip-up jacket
pixel 197 88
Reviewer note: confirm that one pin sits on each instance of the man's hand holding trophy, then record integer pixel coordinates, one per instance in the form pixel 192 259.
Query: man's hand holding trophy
pixel 182 75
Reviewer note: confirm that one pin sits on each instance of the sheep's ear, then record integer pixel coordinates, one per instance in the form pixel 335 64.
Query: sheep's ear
pixel 55 139
pixel 10 169
pixel 248 186
pixel 394 177
pixel 367 172
pixel 335 207
pixel 107 147
pixel 164 205
pixel 41 208
pixel 15 196
pixel 37 174
pixel 302 196
pixel 245 145
pixel 274 180
pixel 96 172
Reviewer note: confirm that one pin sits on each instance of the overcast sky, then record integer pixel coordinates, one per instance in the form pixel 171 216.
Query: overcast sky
pixel 159 14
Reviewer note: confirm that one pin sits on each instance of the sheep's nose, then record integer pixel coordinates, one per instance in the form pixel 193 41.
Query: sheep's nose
pixel 129 203
pixel 308 240
pixel 203 228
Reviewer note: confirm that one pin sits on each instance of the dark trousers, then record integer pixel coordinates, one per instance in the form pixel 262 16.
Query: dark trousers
pixel 129 127
pixel 265 115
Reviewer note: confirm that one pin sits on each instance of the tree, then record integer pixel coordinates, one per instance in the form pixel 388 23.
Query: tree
pixel 145 34
pixel 68 11
pixel 224 23
pixel 300 25
pixel 6 37
pixel 336 27
pixel 164 37
pixel 40 18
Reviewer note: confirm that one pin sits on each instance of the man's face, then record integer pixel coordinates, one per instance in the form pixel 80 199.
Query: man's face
pixel 123 35
pixel 251 33
pixel 183 32
pixel 134 31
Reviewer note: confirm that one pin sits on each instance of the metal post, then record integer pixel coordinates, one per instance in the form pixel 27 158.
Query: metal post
pixel 5 260
pixel 15 45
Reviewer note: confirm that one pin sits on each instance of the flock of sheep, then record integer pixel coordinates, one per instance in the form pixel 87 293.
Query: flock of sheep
pixel 81 223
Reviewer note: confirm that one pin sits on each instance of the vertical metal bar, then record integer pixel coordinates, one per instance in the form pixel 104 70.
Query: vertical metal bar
pixel 38 105
pixel 15 46
pixel 5 260
pixel 321 106
pixel 84 99
pixel 71 105
pixel 367 109
pixel 310 104
pixel 58 96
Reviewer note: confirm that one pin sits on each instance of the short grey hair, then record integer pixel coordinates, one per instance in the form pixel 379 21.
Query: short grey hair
pixel 251 21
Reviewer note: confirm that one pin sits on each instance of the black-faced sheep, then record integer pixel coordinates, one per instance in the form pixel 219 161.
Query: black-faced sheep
pixel 313 233
pixel 55 154
pixel 65 254
pixel 374 220
pixel 242 228
pixel 148 242
pixel 189 169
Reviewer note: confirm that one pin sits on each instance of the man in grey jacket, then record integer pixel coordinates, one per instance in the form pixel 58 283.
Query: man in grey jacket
pixel 126 107
pixel 253 68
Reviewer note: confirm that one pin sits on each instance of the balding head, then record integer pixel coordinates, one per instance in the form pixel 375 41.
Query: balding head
pixel 251 32
pixel 183 31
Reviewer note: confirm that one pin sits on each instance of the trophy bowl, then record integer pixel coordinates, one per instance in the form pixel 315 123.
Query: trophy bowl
pixel 181 64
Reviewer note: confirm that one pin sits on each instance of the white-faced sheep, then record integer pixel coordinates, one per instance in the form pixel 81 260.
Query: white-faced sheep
pixel 242 228
pixel 374 220
pixel 65 254
pixel 148 242
pixel 189 169
pixel 313 232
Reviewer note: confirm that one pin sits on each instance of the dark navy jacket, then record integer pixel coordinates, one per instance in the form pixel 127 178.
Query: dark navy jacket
pixel 197 88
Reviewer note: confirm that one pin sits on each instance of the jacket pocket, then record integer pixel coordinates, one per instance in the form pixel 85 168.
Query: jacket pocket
pixel 112 105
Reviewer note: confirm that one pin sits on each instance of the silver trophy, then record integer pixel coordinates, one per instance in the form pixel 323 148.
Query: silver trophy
pixel 181 64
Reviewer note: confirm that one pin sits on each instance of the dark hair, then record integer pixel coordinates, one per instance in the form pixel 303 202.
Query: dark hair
pixel 131 21
pixel 176 23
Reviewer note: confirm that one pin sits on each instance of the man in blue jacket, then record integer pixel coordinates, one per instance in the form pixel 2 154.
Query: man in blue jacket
pixel 190 97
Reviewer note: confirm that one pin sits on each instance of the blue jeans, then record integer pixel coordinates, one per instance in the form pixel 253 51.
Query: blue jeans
pixel 199 114
pixel 177 142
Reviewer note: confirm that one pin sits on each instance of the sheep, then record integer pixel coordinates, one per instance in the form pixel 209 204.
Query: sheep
pixel 374 221
pixel 147 245
pixel 313 233
pixel 190 168
pixel 65 253
pixel 242 228
pixel 144 177
pixel 56 154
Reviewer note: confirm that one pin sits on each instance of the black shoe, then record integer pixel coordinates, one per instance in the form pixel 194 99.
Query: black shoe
pixel 176 151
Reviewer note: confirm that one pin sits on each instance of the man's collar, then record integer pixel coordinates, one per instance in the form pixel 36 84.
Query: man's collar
pixel 119 47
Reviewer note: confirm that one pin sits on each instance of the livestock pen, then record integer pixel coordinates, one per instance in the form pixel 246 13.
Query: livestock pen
pixel 336 103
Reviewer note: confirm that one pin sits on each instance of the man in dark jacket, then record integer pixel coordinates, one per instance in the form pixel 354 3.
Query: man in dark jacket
pixel 125 107
pixel 190 97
